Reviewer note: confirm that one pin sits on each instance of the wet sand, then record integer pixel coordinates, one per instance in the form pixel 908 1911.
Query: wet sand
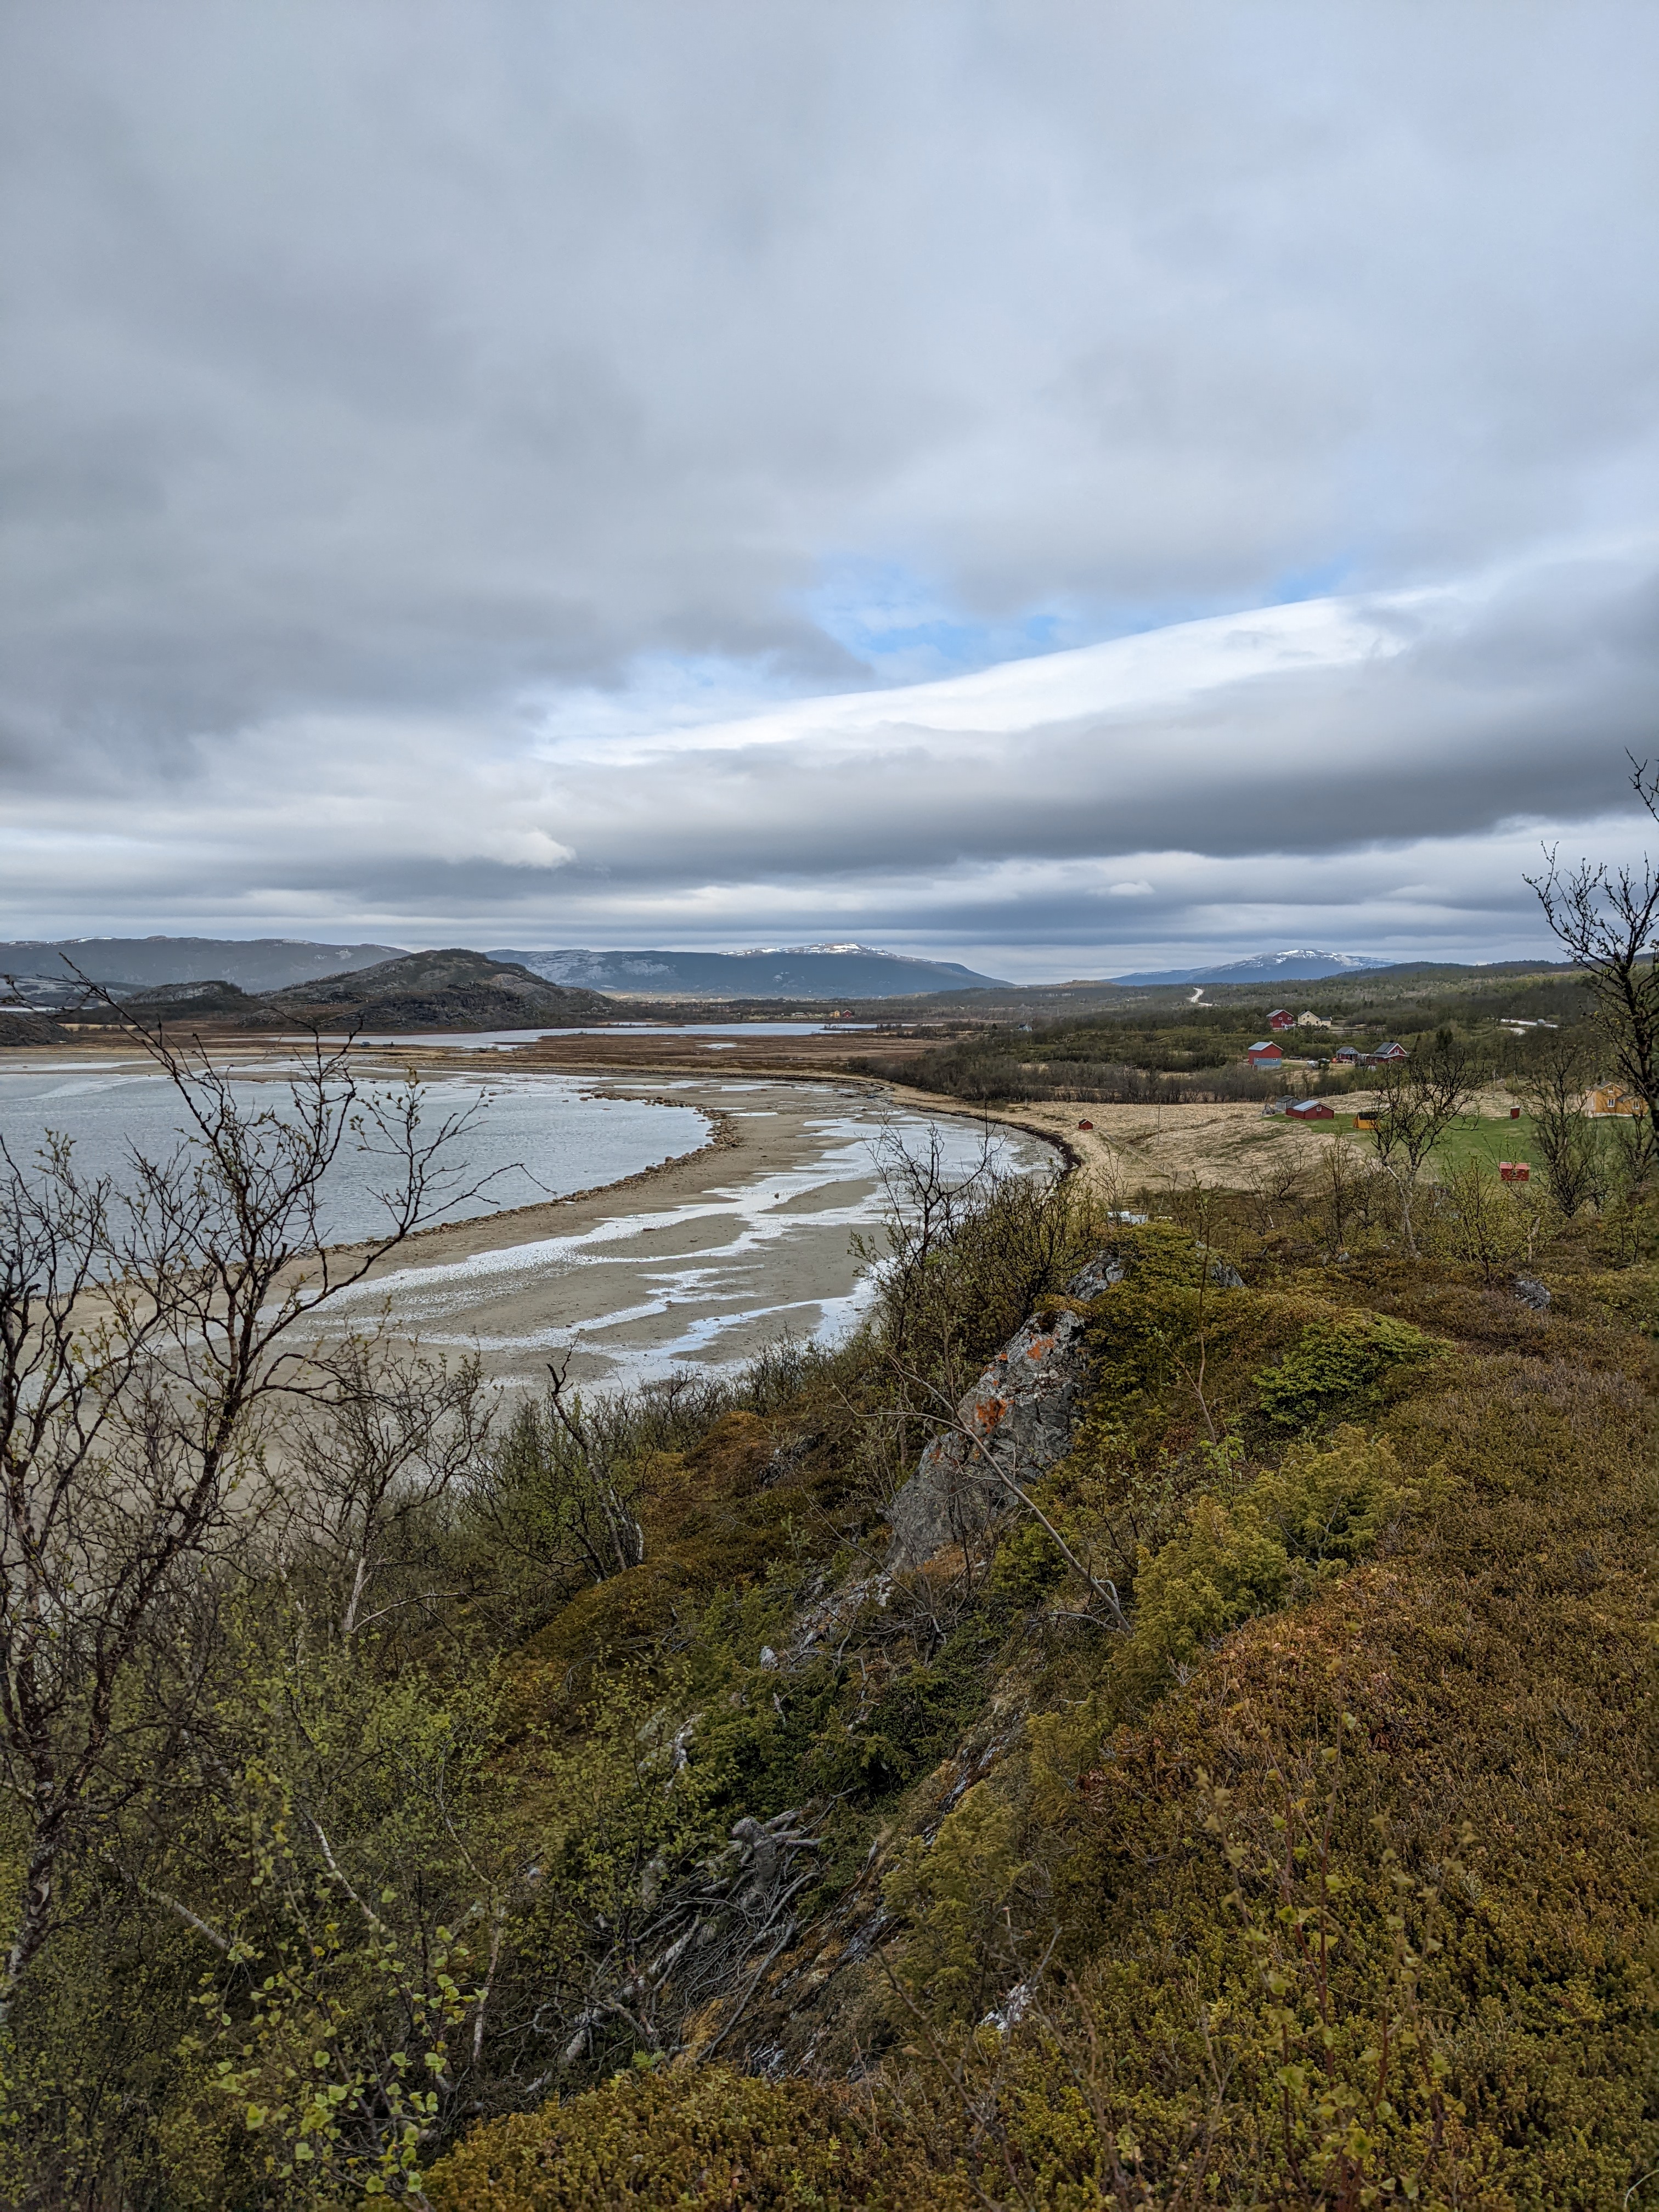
pixel 703 1262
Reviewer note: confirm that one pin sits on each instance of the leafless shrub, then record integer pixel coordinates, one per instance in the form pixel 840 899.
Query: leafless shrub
pixel 146 1334
pixel 1606 919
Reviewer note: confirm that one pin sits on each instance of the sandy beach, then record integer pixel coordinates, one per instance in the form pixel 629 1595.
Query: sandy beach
pixel 708 1257
pixel 702 1260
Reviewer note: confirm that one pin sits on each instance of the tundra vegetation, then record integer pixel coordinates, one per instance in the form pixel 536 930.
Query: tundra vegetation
pixel 1163 1051
pixel 562 1806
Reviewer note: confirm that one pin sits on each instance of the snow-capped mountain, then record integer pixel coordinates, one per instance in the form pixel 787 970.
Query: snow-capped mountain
pixel 1299 965
pixel 766 971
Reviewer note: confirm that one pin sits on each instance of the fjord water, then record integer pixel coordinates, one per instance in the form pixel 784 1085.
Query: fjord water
pixel 529 1139
pixel 636 1284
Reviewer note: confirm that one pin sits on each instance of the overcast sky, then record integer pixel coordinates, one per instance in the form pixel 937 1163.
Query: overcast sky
pixel 1061 487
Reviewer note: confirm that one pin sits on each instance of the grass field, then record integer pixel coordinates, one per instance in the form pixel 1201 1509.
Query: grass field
pixel 1487 1137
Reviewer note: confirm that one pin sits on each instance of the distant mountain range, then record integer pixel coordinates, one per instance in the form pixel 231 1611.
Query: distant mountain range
pixel 766 971
pixel 456 989
pixel 261 966
pixel 1299 965
pixel 129 963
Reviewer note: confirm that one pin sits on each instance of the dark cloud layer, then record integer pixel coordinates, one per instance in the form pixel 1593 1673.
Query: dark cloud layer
pixel 413 415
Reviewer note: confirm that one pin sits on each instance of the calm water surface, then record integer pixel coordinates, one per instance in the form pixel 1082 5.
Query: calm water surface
pixel 532 1137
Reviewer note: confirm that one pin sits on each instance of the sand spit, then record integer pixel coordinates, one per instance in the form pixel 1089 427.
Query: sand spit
pixel 709 1255
pixel 701 1262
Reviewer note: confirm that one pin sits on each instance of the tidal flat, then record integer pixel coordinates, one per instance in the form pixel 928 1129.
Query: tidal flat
pixel 699 1263
pixel 630 1224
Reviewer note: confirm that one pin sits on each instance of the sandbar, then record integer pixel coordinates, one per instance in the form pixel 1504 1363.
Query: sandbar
pixel 703 1262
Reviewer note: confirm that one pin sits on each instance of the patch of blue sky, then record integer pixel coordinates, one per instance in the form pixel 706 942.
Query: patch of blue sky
pixel 660 691
pixel 904 629
pixel 896 624
pixel 1320 580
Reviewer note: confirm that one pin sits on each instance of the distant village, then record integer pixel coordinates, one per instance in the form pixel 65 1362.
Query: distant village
pixel 1269 1053
pixel 1601 1100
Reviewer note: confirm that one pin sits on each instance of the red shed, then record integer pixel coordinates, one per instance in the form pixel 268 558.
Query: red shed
pixel 1265 1055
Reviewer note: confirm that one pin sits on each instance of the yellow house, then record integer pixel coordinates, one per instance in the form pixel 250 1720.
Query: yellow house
pixel 1613 1098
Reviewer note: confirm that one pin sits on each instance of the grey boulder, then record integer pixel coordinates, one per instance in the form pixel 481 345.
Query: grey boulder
pixel 1009 1428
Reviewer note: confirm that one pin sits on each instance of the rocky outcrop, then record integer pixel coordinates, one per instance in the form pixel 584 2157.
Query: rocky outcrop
pixel 1011 1428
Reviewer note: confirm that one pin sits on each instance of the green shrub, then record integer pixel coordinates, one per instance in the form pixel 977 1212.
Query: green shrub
pixel 1341 1362
pixel 1312 1517
pixel 704 2140
pixel 1221 1569
pixel 1333 1505
pixel 954 1892
pixel 1027 1564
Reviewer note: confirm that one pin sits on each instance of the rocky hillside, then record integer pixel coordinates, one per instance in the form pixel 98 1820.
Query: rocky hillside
pixel 1213 1775
pixel 1162 1719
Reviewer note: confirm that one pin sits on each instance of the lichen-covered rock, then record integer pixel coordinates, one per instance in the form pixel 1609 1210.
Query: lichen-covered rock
pixel 1010 1428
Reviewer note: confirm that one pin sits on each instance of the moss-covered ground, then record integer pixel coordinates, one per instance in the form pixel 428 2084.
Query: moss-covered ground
pixel 1319 1874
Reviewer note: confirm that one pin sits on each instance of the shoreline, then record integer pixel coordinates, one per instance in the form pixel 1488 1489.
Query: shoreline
pixel 698 1261
pixel 722 1137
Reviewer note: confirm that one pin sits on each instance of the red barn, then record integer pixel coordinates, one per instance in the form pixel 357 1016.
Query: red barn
pixel 1310 1109
pixel 1265 1055
pixel 1281 1019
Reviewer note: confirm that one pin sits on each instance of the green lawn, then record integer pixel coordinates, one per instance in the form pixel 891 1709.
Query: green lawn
pixel 1491 1138
pixel 1488 1137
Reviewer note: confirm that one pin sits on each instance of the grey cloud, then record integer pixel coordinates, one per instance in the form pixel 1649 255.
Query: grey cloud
pixel 1522 706
pixel 376 373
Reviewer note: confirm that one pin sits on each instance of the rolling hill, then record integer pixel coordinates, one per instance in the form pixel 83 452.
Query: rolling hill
pixel 140 963
pixel 453 989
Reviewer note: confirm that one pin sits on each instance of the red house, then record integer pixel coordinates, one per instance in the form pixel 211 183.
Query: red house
pixel 1281 1019
pixel 1386 1052
pixel 1265 1055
